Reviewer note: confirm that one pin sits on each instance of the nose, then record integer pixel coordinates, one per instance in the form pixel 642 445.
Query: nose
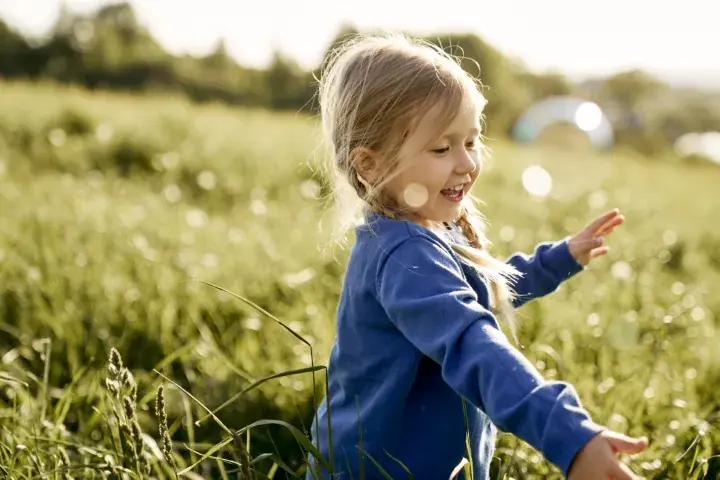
pixel 466 163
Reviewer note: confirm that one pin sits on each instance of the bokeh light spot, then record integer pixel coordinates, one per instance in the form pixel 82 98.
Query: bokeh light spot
pixel 588 116
pixel 415 195
pixel 537 181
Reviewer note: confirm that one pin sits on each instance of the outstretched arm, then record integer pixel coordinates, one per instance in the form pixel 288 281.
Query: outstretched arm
pixel 542 272
pixel 554 262
pixel 421 287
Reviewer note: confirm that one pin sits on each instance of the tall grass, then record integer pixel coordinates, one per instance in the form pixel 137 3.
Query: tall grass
pixel 122 214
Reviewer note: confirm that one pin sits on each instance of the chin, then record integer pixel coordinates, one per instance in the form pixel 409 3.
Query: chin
pixel 447 215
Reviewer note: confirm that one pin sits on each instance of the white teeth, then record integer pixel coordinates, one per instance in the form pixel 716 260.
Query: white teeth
pixel 456 189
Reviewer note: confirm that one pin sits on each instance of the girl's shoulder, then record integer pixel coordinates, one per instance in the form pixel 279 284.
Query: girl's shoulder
pixel 391 233
pixel 380 238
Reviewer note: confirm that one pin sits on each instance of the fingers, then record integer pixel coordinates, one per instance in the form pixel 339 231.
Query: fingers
pixel 599 252
pixel 623 444
pixel 590 249
pixel 602 220
pixel 589 243
pixel 608 227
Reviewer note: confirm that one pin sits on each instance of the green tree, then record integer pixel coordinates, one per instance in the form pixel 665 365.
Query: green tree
pixel 218 58
pixel 14 53
pixel 502 82
pixel 629 89
pixel 288 85
pixel 546 85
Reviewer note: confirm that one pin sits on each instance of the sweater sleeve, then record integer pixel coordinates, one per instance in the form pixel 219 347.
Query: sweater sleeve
pixel 542 272
pixel 423 291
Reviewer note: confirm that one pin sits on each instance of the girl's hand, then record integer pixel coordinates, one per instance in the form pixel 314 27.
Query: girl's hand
pixel 598 460
pixel 588 243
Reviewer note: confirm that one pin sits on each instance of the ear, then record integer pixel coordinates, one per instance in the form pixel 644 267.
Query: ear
pixel 364 161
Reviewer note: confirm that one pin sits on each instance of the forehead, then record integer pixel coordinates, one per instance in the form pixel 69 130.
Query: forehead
pixel 442 120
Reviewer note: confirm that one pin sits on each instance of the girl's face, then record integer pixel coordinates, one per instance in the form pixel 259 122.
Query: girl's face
pixel 435 174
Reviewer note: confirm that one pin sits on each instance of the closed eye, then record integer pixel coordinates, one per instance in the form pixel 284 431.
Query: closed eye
pixel 472 144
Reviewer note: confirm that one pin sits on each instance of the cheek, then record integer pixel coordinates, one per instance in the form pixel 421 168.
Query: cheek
pixel 415 195
pixel 410 191
pixel 394 188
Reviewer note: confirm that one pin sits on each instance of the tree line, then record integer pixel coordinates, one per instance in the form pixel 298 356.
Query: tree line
pixel 110 49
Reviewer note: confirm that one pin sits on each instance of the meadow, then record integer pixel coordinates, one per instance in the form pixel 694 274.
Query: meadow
pixel 117 212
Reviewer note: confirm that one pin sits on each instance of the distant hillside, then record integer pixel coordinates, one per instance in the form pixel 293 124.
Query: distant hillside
pixel 707 82
pixel 110 49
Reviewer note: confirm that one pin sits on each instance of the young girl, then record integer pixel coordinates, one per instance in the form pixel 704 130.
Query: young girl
pixel 421 375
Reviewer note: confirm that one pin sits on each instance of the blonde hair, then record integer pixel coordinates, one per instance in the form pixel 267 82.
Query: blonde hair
pixel 373 91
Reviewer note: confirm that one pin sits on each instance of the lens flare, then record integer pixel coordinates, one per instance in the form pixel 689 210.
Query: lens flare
pixel 588 117
pixel 563 141
pixel 537 181
pixel 415 195
pixel 580 113
pixel 706 144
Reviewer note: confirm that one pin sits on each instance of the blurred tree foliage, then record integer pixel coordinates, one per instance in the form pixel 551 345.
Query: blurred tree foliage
pixel 110 49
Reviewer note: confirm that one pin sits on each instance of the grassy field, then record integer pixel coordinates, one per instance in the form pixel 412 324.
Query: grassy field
pixel 114 209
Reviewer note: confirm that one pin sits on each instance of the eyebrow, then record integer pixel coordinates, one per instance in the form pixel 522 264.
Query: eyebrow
pixel 473 131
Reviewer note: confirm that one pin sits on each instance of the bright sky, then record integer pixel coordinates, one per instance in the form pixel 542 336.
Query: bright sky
pixel 575 37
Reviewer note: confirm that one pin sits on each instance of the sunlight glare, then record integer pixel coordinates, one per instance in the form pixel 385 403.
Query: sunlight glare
pixel 416 195
pixel 537 181
pixel 588 116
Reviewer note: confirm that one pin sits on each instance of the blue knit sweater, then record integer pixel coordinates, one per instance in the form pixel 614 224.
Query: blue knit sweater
pixel 415 338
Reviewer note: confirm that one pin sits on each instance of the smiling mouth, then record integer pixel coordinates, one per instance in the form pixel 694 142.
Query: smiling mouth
pixel 455 194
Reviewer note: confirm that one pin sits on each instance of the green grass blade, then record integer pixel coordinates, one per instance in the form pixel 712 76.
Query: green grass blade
pixel 402 465
pixel 277 462
pixel 299 437
pixel 383 472
pixel 219 422
pixel 257 384
pixel 206 455
pixel 261 310
pixel 7 378
pixel 63 406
